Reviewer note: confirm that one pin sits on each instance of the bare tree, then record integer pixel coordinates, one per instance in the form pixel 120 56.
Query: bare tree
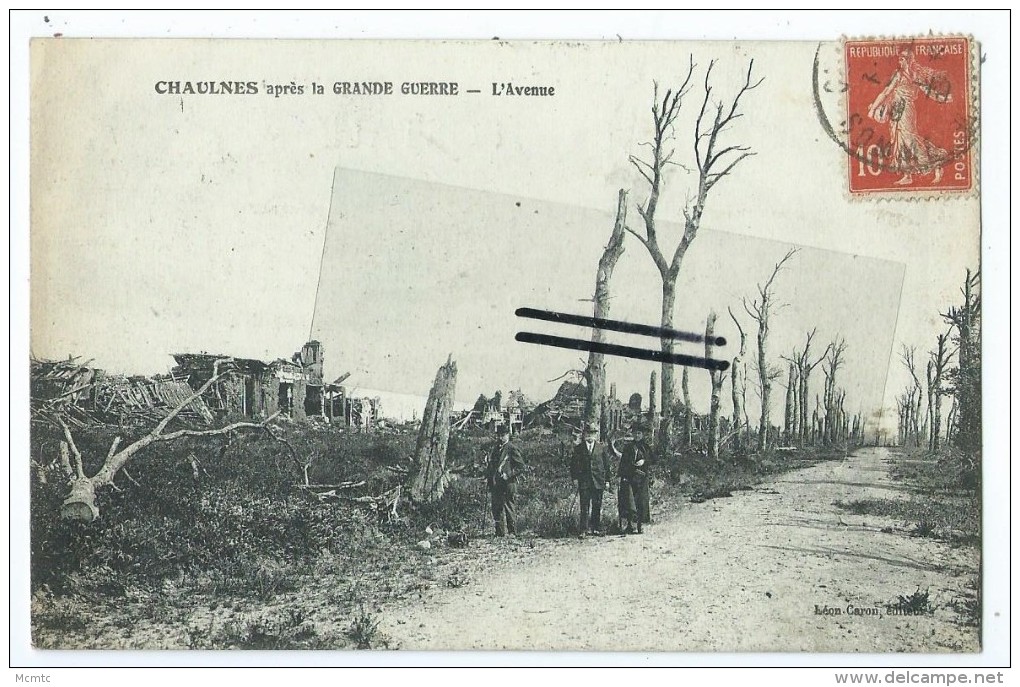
pixel 717 377
pixel 966 378
pixel 714 161
pixel 761 309
pixel 833 360
pixel 908 355
pixel 903 406
pixel 937 364
pixel 595 372
pixel 802 360
pixel 738 382
pixel 80 503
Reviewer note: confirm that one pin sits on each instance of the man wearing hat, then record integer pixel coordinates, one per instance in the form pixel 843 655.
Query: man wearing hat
pixel 635 461
pixel 504 465
pixel 590 467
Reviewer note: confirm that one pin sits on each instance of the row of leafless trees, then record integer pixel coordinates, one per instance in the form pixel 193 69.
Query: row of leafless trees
pixel 951 369
pixel 715 159
pixel 829 423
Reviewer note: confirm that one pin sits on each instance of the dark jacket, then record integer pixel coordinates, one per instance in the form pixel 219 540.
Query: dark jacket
pixel 591 470
pixel 633 452
pixel 506 459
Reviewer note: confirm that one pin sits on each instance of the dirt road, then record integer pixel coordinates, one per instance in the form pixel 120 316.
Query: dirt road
pixel 779 568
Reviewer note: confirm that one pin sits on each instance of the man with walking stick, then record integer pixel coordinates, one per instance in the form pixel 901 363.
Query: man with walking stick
pixel 502 468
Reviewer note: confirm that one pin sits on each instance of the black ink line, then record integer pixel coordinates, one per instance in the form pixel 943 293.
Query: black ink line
pixel 622 351
pixel 615 325
pixel 473 90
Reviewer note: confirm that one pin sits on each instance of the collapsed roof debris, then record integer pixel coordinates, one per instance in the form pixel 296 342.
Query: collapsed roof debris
pixel 86 394
pixel 256 390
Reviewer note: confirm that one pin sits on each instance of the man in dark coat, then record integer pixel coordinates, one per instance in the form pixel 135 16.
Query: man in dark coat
pixel 590 467
pixel 635 462
pixel 504 465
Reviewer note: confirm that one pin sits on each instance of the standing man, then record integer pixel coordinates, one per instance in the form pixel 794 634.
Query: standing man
pixel 504 465
pixel 635 463
pixel 590 467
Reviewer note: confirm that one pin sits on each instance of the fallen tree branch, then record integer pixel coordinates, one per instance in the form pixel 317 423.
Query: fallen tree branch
pixel 341 485
pixel 79 468
pixel 130 478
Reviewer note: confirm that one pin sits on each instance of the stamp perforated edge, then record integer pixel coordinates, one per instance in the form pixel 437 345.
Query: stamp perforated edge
pixel 927 194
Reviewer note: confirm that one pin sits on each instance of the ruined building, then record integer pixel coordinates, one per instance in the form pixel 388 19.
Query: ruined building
pixel 295 388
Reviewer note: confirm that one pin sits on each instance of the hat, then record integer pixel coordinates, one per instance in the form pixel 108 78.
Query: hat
pixel 591 428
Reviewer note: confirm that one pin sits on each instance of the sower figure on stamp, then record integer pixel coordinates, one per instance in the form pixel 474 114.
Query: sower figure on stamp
pixel 632 497
pixel 912 152
pixel 590 467
pixel 504 465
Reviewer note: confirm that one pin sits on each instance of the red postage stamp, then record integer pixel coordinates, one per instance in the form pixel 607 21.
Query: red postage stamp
pixel 910 121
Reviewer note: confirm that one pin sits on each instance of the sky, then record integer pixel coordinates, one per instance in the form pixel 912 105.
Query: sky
pixel 432 270
pixel 197 223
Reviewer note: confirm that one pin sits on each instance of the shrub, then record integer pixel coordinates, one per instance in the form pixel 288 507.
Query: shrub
pixel 364 631
pixel 915 603
pixel 262 632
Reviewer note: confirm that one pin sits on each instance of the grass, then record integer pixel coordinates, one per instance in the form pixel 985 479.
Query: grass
pixel 968 606
pixel 703 479
pixel 937 507
pixel 288 630
pixel 263 558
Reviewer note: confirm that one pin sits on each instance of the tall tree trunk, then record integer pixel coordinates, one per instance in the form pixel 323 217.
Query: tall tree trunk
pixel 930 421
pixel 738 412
pixel 744 403
pixel 795 420
pixel 826 389
pixel 717 378
pixel 667 344
pixel 738 384
pixel 802 396
pixel 596 370
pixel 430 476
pixel 688 410
pixel 951 422
pixel 936 430
pixel 653 413
pixel 917 416
pixel 789 412
pixel 766 389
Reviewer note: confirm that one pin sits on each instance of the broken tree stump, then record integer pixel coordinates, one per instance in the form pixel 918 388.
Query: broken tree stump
pixel 430 476
pixel 80 504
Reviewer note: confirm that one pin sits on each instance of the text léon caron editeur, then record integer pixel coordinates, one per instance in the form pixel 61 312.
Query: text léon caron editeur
pixel 353 88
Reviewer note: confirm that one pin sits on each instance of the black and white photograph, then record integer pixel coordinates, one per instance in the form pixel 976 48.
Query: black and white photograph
pixel 507 346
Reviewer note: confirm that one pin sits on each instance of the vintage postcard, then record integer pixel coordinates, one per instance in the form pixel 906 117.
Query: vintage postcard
pixel 609 346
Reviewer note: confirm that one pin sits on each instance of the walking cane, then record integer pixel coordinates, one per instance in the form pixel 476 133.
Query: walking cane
pixel 485 504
